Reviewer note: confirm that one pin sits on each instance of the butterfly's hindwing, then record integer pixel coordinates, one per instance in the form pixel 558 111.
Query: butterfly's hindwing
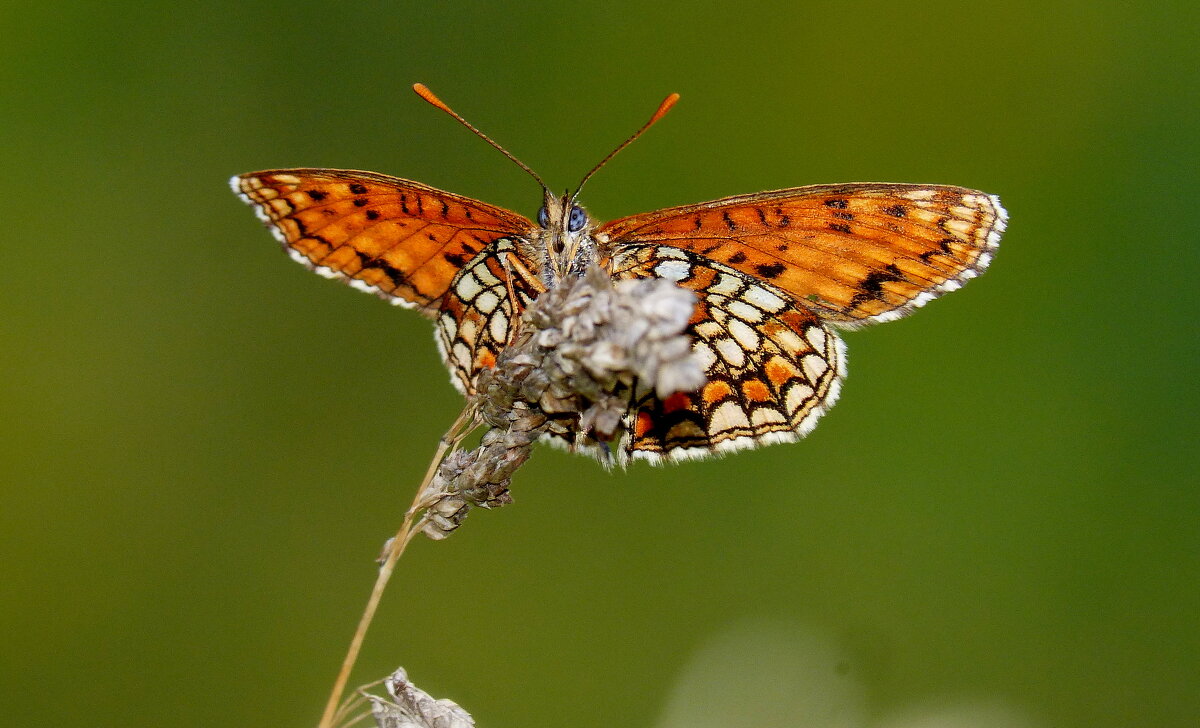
pixel 476 314
pixel 772 366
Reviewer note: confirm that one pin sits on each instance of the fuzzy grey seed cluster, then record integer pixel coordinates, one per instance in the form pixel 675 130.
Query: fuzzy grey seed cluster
pixel 580 350
pixel 477 477
pixel 411 707
pixel 580 353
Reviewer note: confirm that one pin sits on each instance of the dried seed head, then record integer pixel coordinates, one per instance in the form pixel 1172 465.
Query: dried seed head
pixel 577 356
pixel 410 707
pixel 477 477
pixel 583 346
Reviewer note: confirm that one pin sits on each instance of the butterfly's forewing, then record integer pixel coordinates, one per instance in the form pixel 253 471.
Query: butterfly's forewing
pixel 853 253
pixel 400 239
pixel 409 243
pixel 772 367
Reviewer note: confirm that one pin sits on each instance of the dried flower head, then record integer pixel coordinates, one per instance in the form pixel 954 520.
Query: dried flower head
pixel 407 706
pixel 578 354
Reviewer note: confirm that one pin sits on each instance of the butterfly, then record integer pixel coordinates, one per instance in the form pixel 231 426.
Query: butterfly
pixel 775 275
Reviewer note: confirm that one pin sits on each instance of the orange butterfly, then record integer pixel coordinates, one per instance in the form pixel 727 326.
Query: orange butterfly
pixel 773 272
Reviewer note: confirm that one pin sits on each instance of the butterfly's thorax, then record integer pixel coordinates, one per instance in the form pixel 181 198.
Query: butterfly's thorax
pixel 562 245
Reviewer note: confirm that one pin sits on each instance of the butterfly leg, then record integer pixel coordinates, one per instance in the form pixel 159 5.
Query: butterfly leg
pixel 512 264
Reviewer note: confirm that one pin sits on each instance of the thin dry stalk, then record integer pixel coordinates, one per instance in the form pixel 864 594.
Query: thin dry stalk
pixel 576 358
pixel 395 549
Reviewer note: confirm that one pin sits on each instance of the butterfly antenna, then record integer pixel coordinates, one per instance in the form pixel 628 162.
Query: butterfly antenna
pixel 663 108
pixel 424 92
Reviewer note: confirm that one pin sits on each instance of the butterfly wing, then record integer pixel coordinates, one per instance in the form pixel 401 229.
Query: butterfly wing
pixel 772 367
pixel 475 317
pixel 853 253
pixel 402 240
pixel 409 243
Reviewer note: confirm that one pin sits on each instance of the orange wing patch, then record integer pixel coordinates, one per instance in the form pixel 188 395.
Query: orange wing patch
pixel 402 240
pixel 853 253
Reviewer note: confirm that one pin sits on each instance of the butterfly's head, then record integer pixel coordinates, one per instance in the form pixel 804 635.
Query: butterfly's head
pixel 566 238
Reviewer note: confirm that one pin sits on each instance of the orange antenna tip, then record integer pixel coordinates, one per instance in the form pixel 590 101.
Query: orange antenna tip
pixel 663 108
pixel 424 92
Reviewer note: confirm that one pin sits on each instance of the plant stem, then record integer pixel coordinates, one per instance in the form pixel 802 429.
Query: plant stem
pixel 409 528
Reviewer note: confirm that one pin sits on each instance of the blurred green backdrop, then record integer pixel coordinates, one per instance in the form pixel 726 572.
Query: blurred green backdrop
pixel 203 445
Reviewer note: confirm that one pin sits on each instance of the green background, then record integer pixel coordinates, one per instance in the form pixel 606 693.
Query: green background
pixel 203 446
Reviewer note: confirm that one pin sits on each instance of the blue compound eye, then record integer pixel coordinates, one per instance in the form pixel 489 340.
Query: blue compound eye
pixel 543 217
pixel 577 220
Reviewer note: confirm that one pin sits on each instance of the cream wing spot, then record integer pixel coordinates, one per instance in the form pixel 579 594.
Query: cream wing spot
pixel 486 279
pixel 961 228
pixel 745 311
pixel 667 252
pixel 925 215
pixel 705 356
pixel 672 270
pixel 461 354
pixel 731 352
pixel 468 287
pixel 487 302
pixel 729 416
pixel 726 285
pixel 744 334
pixel 814 367
pixel 709 329
pixel 764 299
pixel 797 396
pixel 766 415
pixel 816 337
pixel 468 329
pixel 498 326
pixel 788 340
